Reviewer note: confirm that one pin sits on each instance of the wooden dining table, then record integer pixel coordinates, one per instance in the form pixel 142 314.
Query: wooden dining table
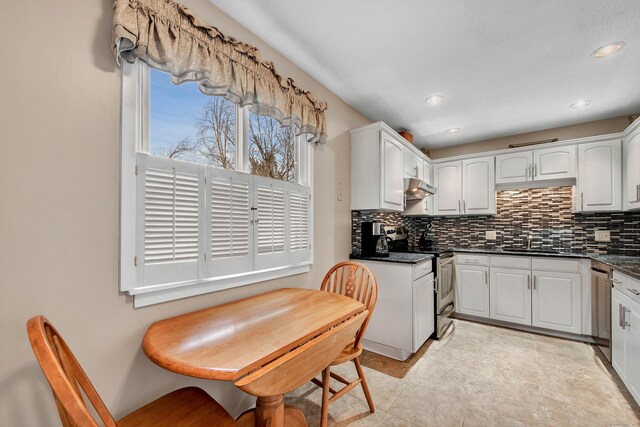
pixel 229 341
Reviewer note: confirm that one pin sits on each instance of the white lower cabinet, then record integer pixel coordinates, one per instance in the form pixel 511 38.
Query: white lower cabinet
pixel 511 295
pixel 556 301
pixel 423 309
pixel 618 334
pixel 472 290
pixel 541 292
pixel 404 315
pixel 625 332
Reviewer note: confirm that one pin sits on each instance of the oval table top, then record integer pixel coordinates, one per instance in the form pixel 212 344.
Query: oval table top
pixel 226 342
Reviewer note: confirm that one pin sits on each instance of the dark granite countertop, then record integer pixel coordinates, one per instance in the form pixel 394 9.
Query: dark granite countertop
pixel 400 257
pixel 522 252
pixel 629 265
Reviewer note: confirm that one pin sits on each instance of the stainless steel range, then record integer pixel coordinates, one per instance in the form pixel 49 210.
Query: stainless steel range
pixel 444 293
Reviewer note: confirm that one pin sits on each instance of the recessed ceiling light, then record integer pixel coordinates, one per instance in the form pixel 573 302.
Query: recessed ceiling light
pixel 434 99
pixel 453 130
pixel 607 49
pixel 582 103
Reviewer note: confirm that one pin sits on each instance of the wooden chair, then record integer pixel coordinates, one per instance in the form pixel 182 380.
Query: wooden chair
pixel 188 406
pixel 354 280
pixel 270 382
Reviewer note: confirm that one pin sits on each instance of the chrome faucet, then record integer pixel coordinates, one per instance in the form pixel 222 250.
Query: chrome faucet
pixel 529 240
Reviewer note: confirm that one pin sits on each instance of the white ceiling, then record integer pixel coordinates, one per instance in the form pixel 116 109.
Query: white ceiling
pixel 503 67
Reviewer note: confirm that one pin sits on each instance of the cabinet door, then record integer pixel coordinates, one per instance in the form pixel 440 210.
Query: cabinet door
pixel 447 178
pixel 423 310
pixel 514 167
pixel 600 176
pixel 392 185
pixel 410 165
pixel 618 334
pixel 632 171
pixel 554 163
pixel 556 301
pixel 478 186
pixel 427 172
pixel 472 290
pixel 633 350
pixel 511 295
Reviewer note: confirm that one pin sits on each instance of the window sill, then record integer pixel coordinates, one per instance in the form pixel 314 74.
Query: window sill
pixel 162 293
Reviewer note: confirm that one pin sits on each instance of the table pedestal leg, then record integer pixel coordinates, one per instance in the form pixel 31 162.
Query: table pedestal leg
pixel 271 412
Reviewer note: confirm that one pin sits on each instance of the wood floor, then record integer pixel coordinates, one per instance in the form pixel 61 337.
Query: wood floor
pixel 482 375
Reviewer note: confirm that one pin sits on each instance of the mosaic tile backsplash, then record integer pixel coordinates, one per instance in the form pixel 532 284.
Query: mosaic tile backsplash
pixel 545 213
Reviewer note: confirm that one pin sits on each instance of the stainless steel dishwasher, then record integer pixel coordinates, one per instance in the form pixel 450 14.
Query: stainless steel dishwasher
pixel 601 283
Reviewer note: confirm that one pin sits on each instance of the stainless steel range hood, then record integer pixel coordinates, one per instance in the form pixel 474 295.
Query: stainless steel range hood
pixel 417 189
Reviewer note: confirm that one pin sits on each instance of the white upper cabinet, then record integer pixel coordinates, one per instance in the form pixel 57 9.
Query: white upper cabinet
pixel 447 178
pixel 377 166
pixel 537 165
pixel 413 165
pixel 478 186
pixel 465 187
pixel 392 194
pixel 631 152
pixel 427 172
pixel 554 163
pixel 600 176
pixel 514 167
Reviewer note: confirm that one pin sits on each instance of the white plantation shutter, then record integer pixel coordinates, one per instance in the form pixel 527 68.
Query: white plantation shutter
pixel 228 217
pixel 169 198
pixel 269 225
pixel 299 240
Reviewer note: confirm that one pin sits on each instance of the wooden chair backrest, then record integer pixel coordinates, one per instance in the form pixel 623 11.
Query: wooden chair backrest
pixel 65 376
pixel 297 367
pixel 356 281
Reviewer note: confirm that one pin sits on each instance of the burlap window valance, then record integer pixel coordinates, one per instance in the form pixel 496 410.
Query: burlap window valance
pixel 167 36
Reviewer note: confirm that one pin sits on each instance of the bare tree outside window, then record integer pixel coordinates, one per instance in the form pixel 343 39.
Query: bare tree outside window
pixel 271 148
pixel 183 150
pixel 191 126
pixel 217 133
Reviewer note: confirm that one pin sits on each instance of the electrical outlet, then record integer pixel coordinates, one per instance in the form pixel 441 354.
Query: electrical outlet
pixel 603 236
pixel 340 196
pixel 490 235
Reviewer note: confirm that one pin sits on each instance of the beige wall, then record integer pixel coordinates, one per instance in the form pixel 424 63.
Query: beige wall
pixel 600 127
pixel 59 118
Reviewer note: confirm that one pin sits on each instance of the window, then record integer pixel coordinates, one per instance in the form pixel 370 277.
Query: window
pixel 185 124
pixel 213 196
pixel 271 148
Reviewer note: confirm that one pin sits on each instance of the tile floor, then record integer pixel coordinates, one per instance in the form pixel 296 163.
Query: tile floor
pixel 481 375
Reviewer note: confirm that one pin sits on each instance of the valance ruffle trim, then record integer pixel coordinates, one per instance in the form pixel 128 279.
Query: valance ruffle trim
pixel 167 36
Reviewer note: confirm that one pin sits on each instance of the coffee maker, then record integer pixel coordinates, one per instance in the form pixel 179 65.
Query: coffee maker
pixel 374 239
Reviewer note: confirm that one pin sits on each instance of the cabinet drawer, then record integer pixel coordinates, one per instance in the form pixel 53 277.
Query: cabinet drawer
pixel 627 285
pixel 422 269
pixel 556 264
pixel 472 259
pixel 521 262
